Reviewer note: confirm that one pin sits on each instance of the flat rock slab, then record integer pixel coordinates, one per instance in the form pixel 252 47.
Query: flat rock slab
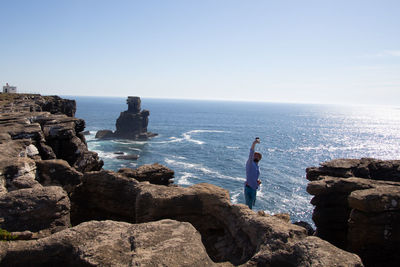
pixel 110 243
pixel 379 199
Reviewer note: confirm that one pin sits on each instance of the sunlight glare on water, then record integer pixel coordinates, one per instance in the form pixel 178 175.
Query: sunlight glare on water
pixel 209 142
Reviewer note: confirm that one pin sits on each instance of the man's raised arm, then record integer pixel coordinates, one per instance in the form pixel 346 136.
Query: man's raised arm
pixel 253 147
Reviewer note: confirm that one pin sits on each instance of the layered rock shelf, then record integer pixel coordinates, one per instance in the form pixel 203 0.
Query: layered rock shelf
pixel 131 124
pixel 357 207
pixel 55 193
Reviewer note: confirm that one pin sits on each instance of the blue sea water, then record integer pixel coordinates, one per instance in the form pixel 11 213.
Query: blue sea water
pixel 209 141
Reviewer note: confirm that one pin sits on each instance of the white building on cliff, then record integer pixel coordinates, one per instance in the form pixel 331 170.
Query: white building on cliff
pixel 9 89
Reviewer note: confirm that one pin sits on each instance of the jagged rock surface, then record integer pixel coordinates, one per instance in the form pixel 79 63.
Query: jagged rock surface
pixel 229 232
pixel 360 214
pixel 41 135
pixel 30 143
pixel 35 209
pixel 109 243
pixel 35 102
pixel 58 172
pixel 131 124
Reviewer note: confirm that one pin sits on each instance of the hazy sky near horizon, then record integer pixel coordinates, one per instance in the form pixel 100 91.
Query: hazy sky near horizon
pixel 311 51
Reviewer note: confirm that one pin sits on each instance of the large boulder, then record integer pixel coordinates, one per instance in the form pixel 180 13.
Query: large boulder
pixel 110 243
pixel 154 173
pixel 58 172
pixel 38 209
pixel 17 173
pixel 104 195
pixel 308 252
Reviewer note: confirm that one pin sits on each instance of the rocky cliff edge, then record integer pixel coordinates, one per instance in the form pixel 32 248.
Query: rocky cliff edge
pixel 54 194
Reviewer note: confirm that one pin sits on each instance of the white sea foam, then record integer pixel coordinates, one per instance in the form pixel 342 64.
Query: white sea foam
pixel 178 157
pixel 187 136
pixel 129 142
pixel 184 179
pixel 235 197
pixel 232 147
pixel 134 148
pixel 201 168
pixel 105 155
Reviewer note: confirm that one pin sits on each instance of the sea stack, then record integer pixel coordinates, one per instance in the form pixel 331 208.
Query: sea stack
pixel 131 124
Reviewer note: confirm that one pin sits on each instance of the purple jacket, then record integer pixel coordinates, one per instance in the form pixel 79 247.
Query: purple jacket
pixel 252 171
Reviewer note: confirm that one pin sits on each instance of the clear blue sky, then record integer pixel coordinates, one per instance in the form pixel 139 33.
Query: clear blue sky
pixel 322 51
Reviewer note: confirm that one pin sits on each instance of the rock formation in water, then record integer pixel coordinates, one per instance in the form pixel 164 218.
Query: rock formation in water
pixel 53 189
pixel 131 124
pixel 357 207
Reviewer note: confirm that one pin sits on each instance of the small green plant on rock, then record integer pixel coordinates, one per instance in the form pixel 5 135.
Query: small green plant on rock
pixel 6 236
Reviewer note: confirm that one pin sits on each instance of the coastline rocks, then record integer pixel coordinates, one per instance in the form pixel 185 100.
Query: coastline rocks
pixel 36 103
pixel 41 135
pixel 109 243
pixel 30 142
pixel 229 232
pixel 39 148
pixel 368 168
pixel 104 134
pixel 154 173
pixel 58 172
pixel 104 195
pixel 131 124
pixel 361 215
pixel 35 209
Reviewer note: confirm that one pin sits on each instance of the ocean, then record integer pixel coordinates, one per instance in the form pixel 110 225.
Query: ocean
pixel 209 141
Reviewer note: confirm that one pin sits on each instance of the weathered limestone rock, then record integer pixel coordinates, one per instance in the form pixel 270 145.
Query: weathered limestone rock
pixel 50 149
pixel 27 140
pixel 131 124
pixel 35 209
pixel 109 243
pixel 361 215
pixel 104 195
pixel 35 102
pixel 229 232
pixel 46 136
pixel 17 173
pixel 388 170
pixel 58 172
pixel 154 173
pixel 308 252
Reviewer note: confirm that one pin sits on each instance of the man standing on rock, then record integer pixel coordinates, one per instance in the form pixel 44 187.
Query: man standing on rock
pixel 252 174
